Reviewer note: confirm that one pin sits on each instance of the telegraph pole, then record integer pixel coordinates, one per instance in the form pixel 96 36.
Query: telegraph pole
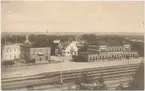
pixel 5 39
pixel 16 46
pixel 61 80
pixel 61 59
pixel 16 39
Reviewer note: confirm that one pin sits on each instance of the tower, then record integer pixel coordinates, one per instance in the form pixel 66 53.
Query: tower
pixel 27 40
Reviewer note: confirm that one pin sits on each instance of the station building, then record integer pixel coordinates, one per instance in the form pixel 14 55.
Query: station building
pixel 104 51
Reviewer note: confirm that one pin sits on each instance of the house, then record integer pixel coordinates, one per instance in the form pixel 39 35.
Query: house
pixel 38 53
pixel 11 52
pixel 70 49
pixel 67 48
pixel 31 51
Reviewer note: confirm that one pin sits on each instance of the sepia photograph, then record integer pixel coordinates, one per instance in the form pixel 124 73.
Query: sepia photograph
pixel 72 45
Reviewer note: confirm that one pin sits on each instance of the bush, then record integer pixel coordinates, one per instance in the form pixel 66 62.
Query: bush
pixel 31 61
pixel 79 59
pixel 9 62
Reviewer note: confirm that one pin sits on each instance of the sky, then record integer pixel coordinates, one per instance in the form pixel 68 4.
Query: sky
pixel 97 16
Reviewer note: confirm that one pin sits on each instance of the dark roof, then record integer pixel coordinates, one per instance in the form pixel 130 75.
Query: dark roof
pixel 88 52
pixel 110 42
pixel 34 45
pixel 65 45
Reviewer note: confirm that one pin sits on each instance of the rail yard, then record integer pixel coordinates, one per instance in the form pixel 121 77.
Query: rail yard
pixel 114 73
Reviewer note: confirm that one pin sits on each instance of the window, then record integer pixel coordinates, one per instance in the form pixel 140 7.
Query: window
pixel 74 52
pixel 15 56
pixel 46 57
pixel 93 58
pixel 90 58
pixel 96 57
pixel 100 57
pixel 120 49
pixel 131 55
pixel 103 57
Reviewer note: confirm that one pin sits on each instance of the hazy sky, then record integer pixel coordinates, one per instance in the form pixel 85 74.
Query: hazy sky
pixel 35 16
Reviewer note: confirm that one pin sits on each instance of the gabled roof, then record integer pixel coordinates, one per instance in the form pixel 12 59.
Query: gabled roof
pixel 65 45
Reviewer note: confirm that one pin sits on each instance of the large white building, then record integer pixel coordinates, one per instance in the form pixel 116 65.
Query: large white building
pixel 11 52
pixel 67 49
pixel 71 49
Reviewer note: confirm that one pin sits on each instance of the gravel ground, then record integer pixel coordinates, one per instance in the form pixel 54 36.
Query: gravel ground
pixel 38 69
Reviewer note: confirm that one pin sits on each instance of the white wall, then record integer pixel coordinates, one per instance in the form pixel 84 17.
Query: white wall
pixel 68 49
pixel 11 52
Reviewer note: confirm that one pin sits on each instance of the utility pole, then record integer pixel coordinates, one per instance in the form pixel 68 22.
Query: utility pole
pixel 16 47
pixel 61 59
pixel 16 39
pixel 61 80
pixel 5 39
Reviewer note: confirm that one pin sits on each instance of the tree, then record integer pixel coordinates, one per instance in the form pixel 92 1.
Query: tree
pixel 132 85
pixel 8 62
pixel 137 83
pixel 89 37
pixel 139 47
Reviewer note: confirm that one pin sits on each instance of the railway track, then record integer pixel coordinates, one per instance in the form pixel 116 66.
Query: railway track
pixel 71 72
pixel 118 72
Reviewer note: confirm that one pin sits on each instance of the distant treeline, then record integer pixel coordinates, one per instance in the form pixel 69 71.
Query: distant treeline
pixel 37 39
pixel 138 47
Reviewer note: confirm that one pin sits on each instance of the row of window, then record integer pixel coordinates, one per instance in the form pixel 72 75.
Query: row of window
pixel 11 56
pixel 36 52
pixel 113 56
pixel 115 49
pixel 71 52
pixel 10 49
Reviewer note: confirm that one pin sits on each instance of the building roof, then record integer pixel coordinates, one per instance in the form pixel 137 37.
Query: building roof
pixel 110 42
pixel 88 52
pixel 65 45
pixel 35 45
pixel 16 44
